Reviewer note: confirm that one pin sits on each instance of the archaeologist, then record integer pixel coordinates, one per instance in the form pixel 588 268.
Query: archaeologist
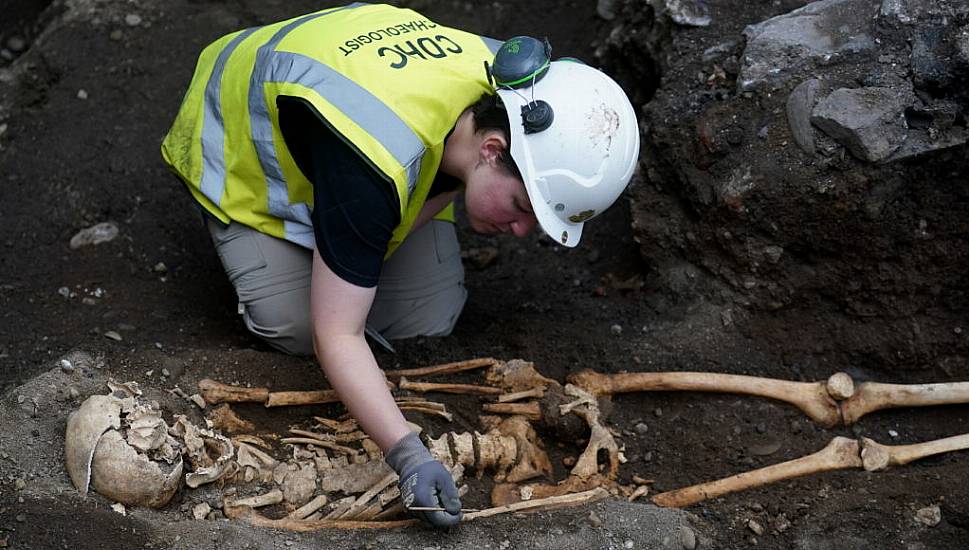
pixel 326 150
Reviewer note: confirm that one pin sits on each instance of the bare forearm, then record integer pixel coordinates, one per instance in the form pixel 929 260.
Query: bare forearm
pixel 353 372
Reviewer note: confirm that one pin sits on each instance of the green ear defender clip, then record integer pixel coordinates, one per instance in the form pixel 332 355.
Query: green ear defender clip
pixel 520 62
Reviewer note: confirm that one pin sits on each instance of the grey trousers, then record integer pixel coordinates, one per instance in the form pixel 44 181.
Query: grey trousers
pixel 420 291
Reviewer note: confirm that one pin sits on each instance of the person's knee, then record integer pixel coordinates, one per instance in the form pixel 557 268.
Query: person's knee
pixel 434 315
pixel 285 329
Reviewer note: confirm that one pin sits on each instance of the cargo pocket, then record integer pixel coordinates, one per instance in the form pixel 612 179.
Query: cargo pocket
pixel 446 243
pixel 240 253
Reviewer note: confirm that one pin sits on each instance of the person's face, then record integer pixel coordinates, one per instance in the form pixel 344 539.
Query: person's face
pixel 496 201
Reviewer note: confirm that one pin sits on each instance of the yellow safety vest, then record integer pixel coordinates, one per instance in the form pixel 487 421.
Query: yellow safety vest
pixel 388 80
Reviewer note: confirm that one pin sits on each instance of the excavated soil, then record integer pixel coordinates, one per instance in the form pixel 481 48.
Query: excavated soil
pixel 79 139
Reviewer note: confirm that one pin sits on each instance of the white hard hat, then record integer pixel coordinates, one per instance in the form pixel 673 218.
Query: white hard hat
pixel 578 159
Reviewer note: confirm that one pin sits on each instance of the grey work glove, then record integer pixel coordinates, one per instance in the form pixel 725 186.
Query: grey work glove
pixel 424 482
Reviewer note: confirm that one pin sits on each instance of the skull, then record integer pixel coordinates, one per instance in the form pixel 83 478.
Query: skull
pixel 121 447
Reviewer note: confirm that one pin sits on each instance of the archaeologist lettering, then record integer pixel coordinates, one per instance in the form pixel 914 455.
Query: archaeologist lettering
pixel 326 151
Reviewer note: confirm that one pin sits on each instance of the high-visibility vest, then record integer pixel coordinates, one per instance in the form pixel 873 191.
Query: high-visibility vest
pixel 388 80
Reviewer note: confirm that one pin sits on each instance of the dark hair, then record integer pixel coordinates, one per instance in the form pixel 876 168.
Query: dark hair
pixel 489 114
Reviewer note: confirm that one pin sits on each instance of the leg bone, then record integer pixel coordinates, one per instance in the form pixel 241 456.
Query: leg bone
pixel 811 397
pixel 877 457
pixel 841 453
pixel 873 396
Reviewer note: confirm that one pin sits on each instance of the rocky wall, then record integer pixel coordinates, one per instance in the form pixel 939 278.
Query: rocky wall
pixel 805 168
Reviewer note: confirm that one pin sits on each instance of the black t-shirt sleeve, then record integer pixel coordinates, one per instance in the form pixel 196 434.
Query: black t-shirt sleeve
pixel 355 208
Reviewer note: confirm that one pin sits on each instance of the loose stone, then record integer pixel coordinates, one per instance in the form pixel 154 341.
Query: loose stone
pixel 929 516
pixel 687 538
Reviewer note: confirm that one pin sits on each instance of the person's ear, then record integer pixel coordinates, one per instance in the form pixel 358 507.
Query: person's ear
pixel 492 146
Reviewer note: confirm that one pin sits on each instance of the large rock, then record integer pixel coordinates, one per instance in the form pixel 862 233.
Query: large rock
pixel 820 33
pixel 870 122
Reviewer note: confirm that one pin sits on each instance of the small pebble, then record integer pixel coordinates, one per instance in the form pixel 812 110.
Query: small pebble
pixel 594 520
pixel 628 544
pixel 19 484
pixel 642 428
pixel 113 335
pixel 82 94
pixel 64 291
pixel 929 516
pixel 198 400
pixel 687 538
pixel 66 366
pixel 647 456
pixel 132 20
pixel 160 267
pixel 757 528
pixel 165 372
pixel 616 329
pixel 761 428
pixel 72 391
pixel 201 510
pixel 658 412
pixel 893 433
pixel 16 44
pixel 21 518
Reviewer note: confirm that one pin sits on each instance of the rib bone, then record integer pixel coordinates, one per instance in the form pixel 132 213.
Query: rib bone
pixel 405 384
pixel 447 368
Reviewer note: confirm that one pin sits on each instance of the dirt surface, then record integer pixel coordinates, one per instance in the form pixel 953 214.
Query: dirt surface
pixel 82 113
